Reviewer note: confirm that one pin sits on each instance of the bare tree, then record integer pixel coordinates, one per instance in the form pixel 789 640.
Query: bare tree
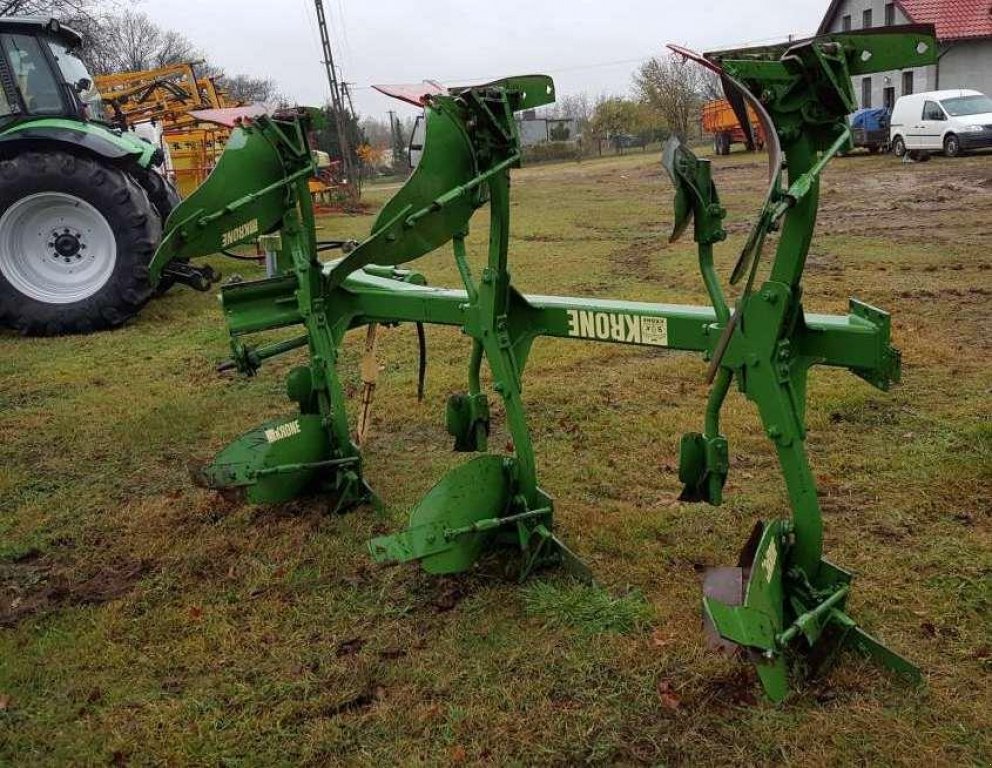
pixel 64 10
pixel 173 48
pixel 250 89
pixel 673 88
pixel 575 106
pixel 377 132
pixel 130 41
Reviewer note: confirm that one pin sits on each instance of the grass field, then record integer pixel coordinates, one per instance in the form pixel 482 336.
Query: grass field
pixel 144 621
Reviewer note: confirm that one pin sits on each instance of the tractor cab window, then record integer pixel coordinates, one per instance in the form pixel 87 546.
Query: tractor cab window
pixel 34 79
pixel 75 73
pixel 4 103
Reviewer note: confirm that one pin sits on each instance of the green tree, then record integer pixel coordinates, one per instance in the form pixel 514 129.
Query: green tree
pixel 673 88
pixel 621 122
pixel 560 132
pixel 327 136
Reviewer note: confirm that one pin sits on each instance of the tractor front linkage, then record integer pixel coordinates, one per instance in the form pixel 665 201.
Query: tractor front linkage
pixel 783 602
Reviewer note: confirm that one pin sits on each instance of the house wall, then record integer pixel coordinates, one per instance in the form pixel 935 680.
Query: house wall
pixel 532 131
pixel 537 130
pixel 968 64
pixel 924 78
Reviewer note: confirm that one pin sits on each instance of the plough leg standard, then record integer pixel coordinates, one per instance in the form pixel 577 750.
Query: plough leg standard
pixel 783 604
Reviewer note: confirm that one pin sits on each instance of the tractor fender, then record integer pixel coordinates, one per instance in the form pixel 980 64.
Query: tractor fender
pixel 73 136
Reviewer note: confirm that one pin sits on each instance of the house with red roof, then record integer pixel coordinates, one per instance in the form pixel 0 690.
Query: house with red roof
pixel 964 31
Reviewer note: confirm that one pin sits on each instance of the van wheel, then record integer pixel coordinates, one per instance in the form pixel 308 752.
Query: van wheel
pixel 952 145
pixel 898 146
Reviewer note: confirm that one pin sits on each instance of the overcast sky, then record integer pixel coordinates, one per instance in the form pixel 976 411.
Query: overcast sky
pixel 585 45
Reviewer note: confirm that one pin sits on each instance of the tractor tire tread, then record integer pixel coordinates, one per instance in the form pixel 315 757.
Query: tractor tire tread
pixel 130 214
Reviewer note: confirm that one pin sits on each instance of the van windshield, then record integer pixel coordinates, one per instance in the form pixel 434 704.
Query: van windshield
pixel 962 106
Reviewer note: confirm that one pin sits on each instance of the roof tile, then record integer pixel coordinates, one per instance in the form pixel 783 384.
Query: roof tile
pixel 954 19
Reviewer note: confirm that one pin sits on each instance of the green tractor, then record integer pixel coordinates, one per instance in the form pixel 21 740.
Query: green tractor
pixel 82 203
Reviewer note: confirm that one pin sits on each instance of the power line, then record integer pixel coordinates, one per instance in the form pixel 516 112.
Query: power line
pixel 604 64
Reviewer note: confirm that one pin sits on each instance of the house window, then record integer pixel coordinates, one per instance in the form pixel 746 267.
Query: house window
pixel 866 92
pixel 907 83
pixel 889 97
pixel 890 14
pixel 845 23
pixel 866 19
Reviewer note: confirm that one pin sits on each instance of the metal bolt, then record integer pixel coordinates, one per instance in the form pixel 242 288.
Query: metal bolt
pixel 774 432
pixel 770 296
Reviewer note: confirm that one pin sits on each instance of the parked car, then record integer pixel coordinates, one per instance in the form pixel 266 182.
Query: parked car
pixel 951 122
pixel 870 129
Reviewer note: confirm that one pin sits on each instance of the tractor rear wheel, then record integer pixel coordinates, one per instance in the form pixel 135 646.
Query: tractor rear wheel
pixel 76 238
pixel 163 196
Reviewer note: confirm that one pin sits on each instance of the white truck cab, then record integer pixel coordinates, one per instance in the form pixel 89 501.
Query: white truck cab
pixel 951 122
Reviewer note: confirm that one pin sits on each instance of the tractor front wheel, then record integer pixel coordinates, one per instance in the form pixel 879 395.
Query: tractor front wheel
pixel 76 238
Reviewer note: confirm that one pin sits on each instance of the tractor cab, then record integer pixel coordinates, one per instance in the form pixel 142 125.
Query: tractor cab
pixel 82 202
pixel 41 74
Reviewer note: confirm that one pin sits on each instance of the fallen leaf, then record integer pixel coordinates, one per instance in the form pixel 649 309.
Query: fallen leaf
pixel 659 638
pixel 195 612
pixel 4 701
pixel 667 696
pixel 458 754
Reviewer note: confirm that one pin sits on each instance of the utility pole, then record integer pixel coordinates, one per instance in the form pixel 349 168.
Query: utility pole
pixel 396 139
pixel 346 88
pixel 392 127
pixel 337 103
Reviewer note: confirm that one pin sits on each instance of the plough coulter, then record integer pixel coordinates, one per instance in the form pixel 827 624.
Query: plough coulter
pixel 782 605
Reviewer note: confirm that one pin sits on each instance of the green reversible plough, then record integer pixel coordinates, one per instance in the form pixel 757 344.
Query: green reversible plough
pixel 782 604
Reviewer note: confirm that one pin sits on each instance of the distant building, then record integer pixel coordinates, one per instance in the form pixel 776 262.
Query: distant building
pixel 537 130
pixel 964 32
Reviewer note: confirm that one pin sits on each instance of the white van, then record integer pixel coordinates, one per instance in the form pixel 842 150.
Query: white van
pixel 951 122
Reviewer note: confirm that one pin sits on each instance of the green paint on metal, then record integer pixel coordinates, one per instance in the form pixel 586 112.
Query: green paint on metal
pixel 456 520
pixel 244 197
pixel 126 143
pixel 274 462
pixel 783 603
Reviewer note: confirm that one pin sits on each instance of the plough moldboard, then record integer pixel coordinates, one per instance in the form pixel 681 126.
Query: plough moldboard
pixel 782 604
